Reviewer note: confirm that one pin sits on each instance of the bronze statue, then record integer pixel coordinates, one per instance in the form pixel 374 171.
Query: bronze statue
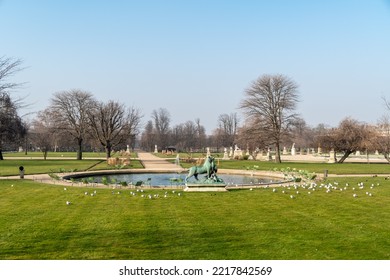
pixel 208 167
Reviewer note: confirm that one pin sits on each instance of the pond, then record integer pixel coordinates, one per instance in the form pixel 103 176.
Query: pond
pixel 169 179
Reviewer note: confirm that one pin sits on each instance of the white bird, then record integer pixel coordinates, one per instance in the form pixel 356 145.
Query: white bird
pixel 291 196
pixel 179 194
pixel 354 195
pixel 370 194
pixel 67 202
pixel 86 193
pixel 65 189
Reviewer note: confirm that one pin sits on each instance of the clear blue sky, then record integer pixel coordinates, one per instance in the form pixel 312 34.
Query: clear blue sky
pixel 195 58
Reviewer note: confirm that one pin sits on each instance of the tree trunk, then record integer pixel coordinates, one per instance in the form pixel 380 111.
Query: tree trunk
pixel 80 149
pixel 108 151
pixel 1 154
pixel 345 156
pixel 387 157
pixel 277 154
pixel 25 145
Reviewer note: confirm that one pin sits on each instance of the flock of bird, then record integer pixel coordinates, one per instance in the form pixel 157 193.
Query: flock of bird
pixel 294 190
pixel 139 192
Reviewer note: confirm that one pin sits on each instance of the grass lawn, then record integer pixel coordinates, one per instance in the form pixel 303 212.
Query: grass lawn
pixel 10 167
pixel 333 168
pixel 37 155
pixel 36 223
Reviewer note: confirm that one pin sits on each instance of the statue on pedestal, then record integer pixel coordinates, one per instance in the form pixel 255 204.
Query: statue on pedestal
pixel 209 168
pixel 210 183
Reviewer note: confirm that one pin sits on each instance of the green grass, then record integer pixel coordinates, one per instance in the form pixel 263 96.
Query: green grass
pixel 36 223
pixel 10 167
pixel 344 168
pixel 36 155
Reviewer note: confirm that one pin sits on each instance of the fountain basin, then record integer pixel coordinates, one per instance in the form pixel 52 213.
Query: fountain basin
pixel 171 179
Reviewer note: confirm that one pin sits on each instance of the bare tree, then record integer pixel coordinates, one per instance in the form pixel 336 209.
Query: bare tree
pixel 41 132
pixel 11 125
pixel 250 135
pixel 350 136
pixel 188 136
pixel 271 100
pixel 148 137
pixel 69 110
pixel 382 140
pixel 201 137
pixel 112 125
pixel 134 122
pixel 227 129
pixel 12 128
pixel 162 120
pixel 9 67
pixel 301 134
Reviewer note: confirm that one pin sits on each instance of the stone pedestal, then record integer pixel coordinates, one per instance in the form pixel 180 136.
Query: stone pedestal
pixel 231 152
pixel 225 155
pixel 208 152
pixel 331 157
pixel 199 187
pixel 293 152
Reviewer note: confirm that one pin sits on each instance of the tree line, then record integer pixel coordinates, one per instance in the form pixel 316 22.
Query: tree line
pixel 76 120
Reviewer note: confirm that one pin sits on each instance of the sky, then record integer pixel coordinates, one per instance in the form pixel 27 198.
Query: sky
pixel 195 58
